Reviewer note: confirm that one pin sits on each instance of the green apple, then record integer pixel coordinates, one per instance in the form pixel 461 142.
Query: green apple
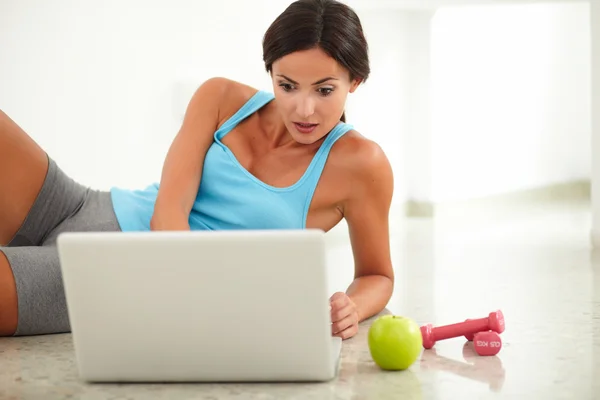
pixel 395 342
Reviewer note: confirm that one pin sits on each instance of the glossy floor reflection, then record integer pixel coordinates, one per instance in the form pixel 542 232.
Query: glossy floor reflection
pixel 535 263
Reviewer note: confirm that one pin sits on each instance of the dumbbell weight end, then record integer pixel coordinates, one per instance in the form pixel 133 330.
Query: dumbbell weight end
pixel 487 343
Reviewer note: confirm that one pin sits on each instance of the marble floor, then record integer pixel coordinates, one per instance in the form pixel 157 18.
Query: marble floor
pixel 534 262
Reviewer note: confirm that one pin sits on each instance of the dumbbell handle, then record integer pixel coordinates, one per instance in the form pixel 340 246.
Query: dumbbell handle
pixel 461 328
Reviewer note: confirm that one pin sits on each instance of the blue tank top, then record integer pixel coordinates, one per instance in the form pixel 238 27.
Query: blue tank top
pixel 230 197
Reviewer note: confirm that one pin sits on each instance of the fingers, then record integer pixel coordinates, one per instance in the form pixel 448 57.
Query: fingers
pixel 348 328
pixel 344 324
pixel 338 301
pixel 337 314
pixel 348 333
pixel 344 317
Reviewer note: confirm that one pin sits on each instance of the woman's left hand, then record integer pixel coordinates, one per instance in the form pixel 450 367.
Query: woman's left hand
pixel 344 316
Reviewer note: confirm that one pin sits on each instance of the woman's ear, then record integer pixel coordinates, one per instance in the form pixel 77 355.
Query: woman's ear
pixel 355 84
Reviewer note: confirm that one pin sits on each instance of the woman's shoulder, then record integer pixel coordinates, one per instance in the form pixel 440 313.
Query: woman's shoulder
pixel 230 94
pixel 355 152
pixel 361 163
pixel 229 86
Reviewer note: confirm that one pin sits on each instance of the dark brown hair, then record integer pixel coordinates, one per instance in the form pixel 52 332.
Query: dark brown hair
pixel 327 24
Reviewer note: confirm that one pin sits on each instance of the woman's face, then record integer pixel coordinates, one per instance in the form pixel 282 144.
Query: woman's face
pixel 310 91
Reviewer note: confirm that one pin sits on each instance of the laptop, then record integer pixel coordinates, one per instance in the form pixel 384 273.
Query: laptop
pixel 202 306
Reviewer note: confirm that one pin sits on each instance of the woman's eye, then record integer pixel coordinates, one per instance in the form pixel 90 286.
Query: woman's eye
pixel 286 86
pixel 325 91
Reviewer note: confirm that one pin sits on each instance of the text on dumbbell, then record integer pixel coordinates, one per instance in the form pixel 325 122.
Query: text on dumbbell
pixel 483 343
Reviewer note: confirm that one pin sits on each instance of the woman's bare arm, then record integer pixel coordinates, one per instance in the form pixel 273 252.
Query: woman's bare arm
pixel 182 169
pixel 367 213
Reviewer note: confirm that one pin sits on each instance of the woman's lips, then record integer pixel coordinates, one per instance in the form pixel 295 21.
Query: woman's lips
pixel 305 128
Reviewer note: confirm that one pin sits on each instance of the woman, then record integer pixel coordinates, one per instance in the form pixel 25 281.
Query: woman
pixel 243 159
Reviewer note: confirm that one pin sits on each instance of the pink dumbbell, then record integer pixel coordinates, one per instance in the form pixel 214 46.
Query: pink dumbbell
pixel 494 322
pixel 487 343
pixel 469 336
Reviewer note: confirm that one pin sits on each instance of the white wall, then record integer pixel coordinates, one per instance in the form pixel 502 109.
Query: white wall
pixel 511 89
pixel 101 87
pixel 379 109
pixel 93 82
pixel 595 148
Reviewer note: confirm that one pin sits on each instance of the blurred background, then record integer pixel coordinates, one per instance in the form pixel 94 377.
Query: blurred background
pixel 470 99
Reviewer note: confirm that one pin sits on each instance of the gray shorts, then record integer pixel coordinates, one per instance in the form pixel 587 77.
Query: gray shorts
pixel 62 205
